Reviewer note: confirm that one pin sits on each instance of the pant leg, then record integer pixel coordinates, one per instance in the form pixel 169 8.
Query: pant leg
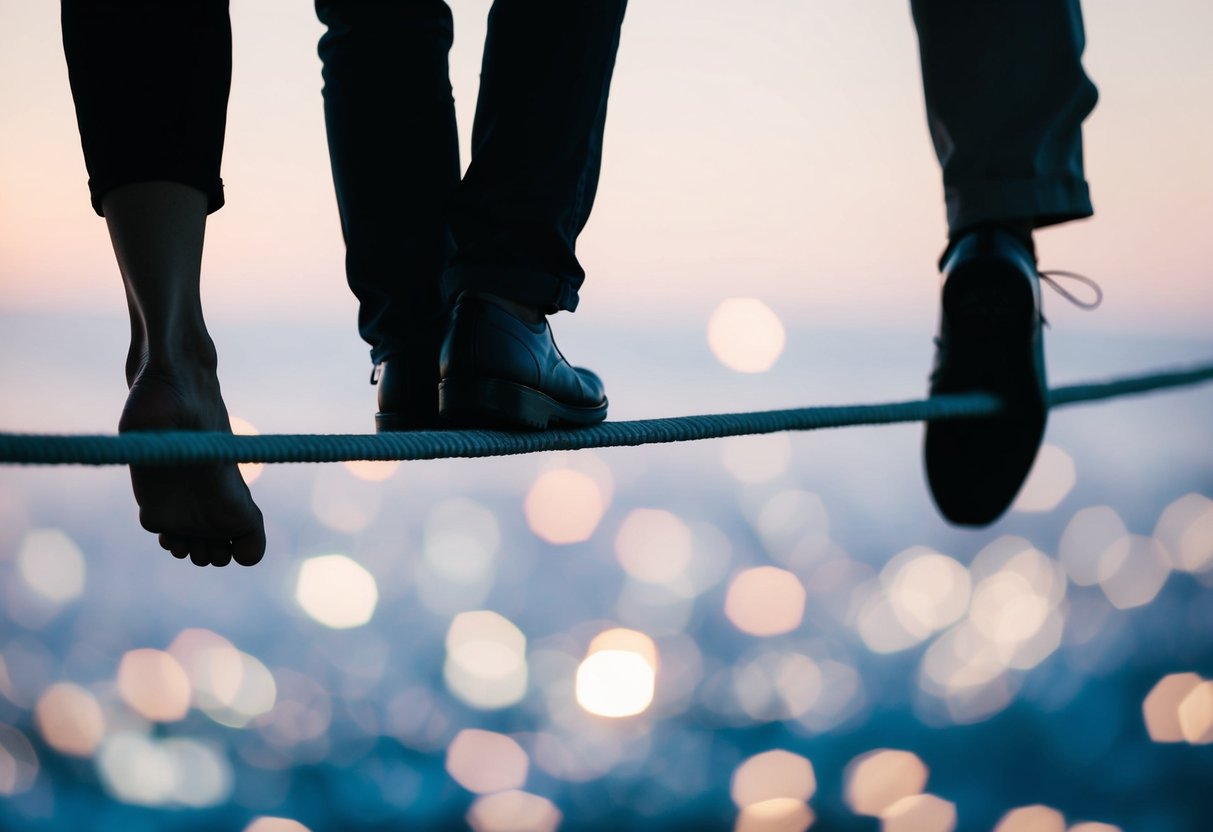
pixel 150 81
pixel 536 150
pixel 1006 95
pixel 394 150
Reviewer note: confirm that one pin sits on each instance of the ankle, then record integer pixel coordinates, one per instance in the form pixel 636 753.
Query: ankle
pixel 1020 229
pixel 530 314
pixel 183 354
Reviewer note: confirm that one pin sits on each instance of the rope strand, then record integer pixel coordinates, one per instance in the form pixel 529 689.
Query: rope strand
pixel 197 448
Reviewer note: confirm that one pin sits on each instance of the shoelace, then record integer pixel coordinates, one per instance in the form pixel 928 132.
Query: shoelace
pixel 1050 275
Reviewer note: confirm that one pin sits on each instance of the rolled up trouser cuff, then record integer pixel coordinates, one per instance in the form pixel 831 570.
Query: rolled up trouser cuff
pixel 549 292
pixel 1045 200
pixel 213 188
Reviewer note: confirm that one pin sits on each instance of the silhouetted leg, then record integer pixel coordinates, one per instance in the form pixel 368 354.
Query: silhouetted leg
pixel 1006 95
pixel 150 82
pixel 395 157
pixel 536 150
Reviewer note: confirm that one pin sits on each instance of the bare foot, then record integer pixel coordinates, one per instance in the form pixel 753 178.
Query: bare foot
pixel 204 512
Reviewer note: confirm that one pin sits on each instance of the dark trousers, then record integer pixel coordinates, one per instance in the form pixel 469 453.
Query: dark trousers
pixel 416 234
pixel 150 80
pixel 1006 95
pixel 1005 92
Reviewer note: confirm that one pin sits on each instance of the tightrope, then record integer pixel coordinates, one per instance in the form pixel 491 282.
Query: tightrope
pixel 196 447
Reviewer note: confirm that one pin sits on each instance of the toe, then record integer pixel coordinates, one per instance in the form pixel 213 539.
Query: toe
pixel 248 549
pixel 220 552
pixel 198 552
pixel 179 546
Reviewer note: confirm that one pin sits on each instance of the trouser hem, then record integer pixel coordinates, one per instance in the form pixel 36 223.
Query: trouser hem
pixel 1044 201
pixel 99 187
pixel 549 292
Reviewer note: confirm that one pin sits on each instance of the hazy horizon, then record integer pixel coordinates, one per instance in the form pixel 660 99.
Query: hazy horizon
pixel 777 151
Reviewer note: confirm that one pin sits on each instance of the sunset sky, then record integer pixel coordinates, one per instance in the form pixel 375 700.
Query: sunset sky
pixel 774 149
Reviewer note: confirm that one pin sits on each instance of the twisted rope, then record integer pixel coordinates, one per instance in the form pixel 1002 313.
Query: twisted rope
pixel 194 448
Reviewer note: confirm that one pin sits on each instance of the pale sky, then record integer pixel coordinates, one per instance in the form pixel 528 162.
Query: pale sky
pixel 773 148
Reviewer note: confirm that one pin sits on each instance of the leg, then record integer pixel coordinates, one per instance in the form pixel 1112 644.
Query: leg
pixel 1006 96
pixel 394 151
pixel 536 150
pixel 536 153
pixel 150 82
pixel 206 511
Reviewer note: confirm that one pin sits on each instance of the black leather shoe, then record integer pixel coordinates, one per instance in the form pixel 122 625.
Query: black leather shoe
pixel 990 340
pixel 500 371
pixel 408 393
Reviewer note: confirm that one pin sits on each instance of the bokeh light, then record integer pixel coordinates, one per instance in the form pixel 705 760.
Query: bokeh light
pixel 459 567
pixel 1160 708
pixel 773 775
pixel 778 685
pixel 1094 826
pixel 18 762
pixel 250 471
pixel 345 501
pixel 919 813
pixel 564 506
pixel 336 591
pixel 138 769
pixel 372 470
pixel 460 539
pixel 154 684
pixel 486 762
pixel 1196 714
pixel 779 814
pixel 51 564
pixel 919 592
pixel 618 676
pixel 878 779
pixel 746 335
pixel 1052 477
pixel 757 459
pixel 928 591
pixel 1031 819
pixel 653 545
pixel 1090 533
pixel 269 823
pixel 789 520
pixel 70 719
pixel 1036 818
pixel 485 660
pixel 513 811
pixel 1133 571
pixel 230 686
pixel 765 601
pixel 1185 529
pixel 1015 621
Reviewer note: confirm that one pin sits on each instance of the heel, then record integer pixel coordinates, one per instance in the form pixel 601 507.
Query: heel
pixel 489 402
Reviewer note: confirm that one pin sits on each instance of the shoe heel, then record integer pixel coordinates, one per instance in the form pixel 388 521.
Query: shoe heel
pixel 492 403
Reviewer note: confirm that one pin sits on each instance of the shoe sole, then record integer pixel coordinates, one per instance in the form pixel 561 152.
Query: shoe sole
pixel 503 404
pixel 975 467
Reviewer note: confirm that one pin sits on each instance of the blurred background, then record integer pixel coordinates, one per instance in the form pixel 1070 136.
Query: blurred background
pixel 760 633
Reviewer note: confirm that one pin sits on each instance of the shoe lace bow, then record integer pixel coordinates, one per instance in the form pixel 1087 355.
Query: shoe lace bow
pixel 1050 276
